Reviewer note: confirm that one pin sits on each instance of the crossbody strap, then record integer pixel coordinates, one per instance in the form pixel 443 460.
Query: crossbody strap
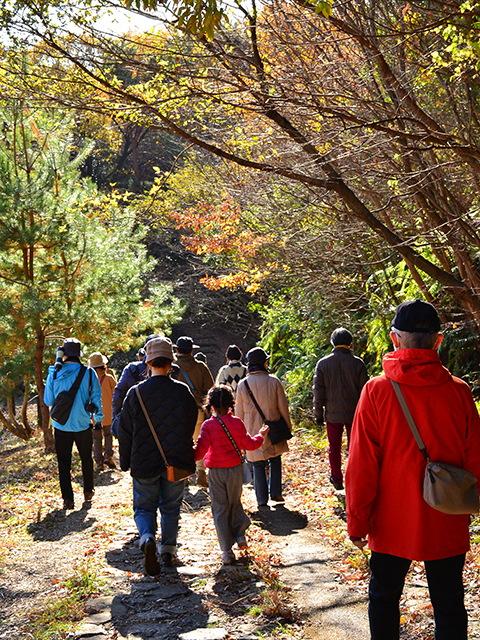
pixel 254 401
pixel 410 420
pixel 225 428
pixel 137 391
pixel 78 379
pixel 189 382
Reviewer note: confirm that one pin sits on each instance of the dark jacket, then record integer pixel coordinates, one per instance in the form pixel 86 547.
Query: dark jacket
pixel 173 412
pixel 337 384
pixel 132 374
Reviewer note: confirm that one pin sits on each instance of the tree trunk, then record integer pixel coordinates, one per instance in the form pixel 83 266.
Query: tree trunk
pixel 48 439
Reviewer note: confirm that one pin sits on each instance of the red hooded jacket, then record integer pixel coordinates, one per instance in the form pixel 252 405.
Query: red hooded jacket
pixel 385 471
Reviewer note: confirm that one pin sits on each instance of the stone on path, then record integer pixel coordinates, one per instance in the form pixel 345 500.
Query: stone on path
pixel 87 630
pixel 204 634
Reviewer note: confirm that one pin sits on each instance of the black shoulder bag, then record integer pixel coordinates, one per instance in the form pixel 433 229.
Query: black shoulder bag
pixel 63 403
pixel 279 429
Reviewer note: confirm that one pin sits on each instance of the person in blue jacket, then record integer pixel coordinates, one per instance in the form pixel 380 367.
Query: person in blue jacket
pixel 77 429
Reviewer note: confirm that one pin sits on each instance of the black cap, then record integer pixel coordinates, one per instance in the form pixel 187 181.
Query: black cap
pixel 341 336
pixel 72 347
pixel 152 336
pixel 186 343
pixel 257 355
pixel 416 316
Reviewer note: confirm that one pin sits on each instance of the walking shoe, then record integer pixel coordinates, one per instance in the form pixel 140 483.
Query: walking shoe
pixel 167 559
pixel 68 505
pixel 202 480
pixel 110 462
pixel 228 557
pixel 88 495
pixel 337 484
pixel 278 499
pixel 100 466
pixel 242 544
pixel 152 566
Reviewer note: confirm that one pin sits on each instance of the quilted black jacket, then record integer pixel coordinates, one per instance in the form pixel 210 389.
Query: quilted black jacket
pixel 173 412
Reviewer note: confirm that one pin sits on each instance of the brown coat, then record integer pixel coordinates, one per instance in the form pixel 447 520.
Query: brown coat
pixel 269 394
pixel 107 383
pixel 199 375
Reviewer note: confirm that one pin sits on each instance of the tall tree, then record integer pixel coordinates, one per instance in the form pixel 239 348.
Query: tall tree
pixel 71 262
pixel 357 108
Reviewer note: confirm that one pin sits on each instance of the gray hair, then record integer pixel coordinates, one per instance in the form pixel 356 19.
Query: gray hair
pixel 416 340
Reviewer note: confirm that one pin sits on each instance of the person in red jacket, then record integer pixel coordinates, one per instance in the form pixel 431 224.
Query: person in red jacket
pixel 385 471
pixel 221 440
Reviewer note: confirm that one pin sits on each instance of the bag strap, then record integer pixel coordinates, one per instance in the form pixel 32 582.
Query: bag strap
pixel 189 382
pixel 254 401
pixel 410 420
pixel 78 379
pixel 137 391
pixel 235 446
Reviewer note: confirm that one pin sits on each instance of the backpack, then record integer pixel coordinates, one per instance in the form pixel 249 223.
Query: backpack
pixel 63 403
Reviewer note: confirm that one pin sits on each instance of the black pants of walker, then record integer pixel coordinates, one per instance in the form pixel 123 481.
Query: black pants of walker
pixel 64 444
pixel 445 584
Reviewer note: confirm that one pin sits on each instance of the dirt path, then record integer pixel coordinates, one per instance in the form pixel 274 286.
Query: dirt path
pixel 198 600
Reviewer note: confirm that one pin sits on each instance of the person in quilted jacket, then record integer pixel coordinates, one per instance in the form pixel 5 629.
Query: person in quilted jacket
pixel 173 412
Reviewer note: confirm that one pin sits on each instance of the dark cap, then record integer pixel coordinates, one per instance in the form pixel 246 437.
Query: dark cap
pixel 341 336
pixel 186 343
pixel 257 355
pixel 416 316
pixel 152 336
pixel 72 347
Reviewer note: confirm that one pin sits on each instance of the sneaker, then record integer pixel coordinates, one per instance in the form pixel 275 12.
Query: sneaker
pixel 337 484
pixel 88 495
pixel 167 559
pixel 152 566
pixel 202 480
pixel 68 505
pixel 228 557
pixel 100 466
pixel 242 544
pixel 278 499
pixel 110 462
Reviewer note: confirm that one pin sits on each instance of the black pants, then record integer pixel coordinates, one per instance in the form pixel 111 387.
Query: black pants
pixel 445 585
pixel 64 444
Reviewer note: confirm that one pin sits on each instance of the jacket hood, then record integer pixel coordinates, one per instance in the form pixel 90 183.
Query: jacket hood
pixel 415 367
pixel 68 369
pixel 186 362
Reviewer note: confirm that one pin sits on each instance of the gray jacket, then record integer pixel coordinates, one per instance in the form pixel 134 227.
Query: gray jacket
pixel 338 381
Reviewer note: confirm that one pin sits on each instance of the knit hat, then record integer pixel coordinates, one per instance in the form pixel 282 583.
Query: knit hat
pixel 416 316
pixel 257 355
pixel 159 348
pixel 72 347
pixel 97 360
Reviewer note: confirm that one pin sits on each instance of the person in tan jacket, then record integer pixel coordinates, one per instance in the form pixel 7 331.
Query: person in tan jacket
pixel 101 432
pixel 269 394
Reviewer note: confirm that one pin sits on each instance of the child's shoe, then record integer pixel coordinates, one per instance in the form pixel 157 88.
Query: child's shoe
pixel 228 557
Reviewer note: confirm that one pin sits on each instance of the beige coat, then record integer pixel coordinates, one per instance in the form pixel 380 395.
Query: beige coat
pixel 269 394
pixel 107 382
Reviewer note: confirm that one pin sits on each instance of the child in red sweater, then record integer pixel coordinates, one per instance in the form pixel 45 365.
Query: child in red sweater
pixel 222 438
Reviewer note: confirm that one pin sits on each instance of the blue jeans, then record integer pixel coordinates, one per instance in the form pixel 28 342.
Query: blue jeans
pixel 260 478
pixel 445 585
pixel 151 494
